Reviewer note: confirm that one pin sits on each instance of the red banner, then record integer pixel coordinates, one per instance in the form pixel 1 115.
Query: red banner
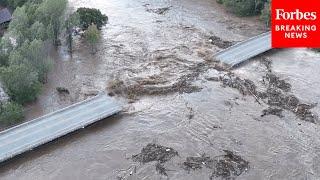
pixel 295 23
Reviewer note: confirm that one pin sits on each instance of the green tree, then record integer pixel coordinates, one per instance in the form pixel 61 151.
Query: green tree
pixel 6 44
pixel 90 16
pixel 4 3
pixel 13 3
pixel 20 82
pixel 31 10
pixel 51 14
pixel 265 14
pixel 92 36
pixel 34 55
pixel 72 21
pixel 220 1
pixel 10 113
pixel 3 58
pixel 37 31
pixel 18 3
pixel 19 26
pixel 244 7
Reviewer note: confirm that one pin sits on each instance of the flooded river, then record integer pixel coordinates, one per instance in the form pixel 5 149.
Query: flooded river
pixel 158 43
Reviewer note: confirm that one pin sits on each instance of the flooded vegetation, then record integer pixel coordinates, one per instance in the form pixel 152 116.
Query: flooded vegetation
pixel 186 116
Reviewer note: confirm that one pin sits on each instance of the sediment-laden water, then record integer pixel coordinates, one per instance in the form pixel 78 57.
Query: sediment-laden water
pixel 200 129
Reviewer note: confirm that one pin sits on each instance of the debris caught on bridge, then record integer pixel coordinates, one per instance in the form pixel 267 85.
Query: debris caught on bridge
pixel 217 41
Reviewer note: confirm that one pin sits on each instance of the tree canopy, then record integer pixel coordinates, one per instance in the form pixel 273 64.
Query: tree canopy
pixel 90 16
pixel 265 14
pixel 21 83
pixel 10 113
pixel 50 13
pixel 244 7
pixel 92 36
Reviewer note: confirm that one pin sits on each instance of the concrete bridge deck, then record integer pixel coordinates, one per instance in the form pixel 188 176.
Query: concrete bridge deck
pixel 245 50
pixel 29 135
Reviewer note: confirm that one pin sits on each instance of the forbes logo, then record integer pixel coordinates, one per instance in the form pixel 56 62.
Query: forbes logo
pixel 281 14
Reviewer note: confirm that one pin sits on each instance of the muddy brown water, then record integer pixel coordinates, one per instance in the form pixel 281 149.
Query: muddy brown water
pixel 139 43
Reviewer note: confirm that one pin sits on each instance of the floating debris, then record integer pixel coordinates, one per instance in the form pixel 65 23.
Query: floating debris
pixel 160 11
pixel 161 169
pixel 154 152
pixel 272 111
pixel 276 95
pixel 226 166
pixel 276 82
pixel 194 163
pixel 229 166
pixel 245 86
pixel 62 90
pixel 191 112
pixel 158 153
pixel 217 41
pixel 155 86
pixel 132 91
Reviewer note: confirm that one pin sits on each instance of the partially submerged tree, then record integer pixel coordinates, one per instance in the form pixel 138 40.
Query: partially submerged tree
pixel 21 83
pixel 34 55
pixel 90 16
pixel 265 14
pixel 244 7
pixel 37 31
pixel 92 36
pixel 4 57
pixel 72 21
pixel 19 26
pixel 51 14
pixel 13 3
pixel 10 113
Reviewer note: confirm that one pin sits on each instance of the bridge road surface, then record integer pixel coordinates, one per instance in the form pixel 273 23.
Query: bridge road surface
pixel 29 135
pixel 245 50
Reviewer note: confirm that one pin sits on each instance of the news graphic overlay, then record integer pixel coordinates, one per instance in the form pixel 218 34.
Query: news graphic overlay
pixel 295 23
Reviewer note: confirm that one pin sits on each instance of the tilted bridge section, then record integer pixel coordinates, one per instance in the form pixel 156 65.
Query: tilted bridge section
pixel 29 135
pixel 245 50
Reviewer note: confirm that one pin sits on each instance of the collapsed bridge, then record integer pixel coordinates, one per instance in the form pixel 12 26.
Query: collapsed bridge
pixel 245 50
pixel 32 134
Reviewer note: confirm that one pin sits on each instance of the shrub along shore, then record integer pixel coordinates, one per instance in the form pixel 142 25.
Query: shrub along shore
pixel 249 8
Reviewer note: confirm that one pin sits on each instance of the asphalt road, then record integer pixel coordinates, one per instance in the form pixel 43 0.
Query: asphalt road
pixel 31 134
pixel 245 50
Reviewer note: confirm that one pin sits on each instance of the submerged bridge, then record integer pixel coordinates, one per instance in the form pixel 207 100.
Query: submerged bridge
pixel 29 135
pixel 245 50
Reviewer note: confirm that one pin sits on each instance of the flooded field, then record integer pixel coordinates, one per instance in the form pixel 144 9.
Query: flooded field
pixel 186 116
